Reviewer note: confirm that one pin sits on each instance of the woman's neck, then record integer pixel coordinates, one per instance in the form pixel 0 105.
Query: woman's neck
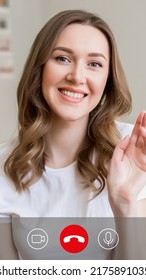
pixel 64 141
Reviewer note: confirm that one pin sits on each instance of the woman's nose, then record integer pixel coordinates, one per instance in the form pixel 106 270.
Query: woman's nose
pixel 76 75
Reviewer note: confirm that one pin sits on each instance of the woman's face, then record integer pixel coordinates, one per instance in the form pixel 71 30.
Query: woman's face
pixel 75 75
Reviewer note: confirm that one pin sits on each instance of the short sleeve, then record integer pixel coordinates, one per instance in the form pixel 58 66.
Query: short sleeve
pixel 124 128
pixel 142 194
pixel 7 190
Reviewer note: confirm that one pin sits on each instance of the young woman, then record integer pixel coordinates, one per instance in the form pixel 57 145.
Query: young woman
pixel 72 157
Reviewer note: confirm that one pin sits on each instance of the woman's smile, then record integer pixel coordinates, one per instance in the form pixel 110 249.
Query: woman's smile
pixel 72 95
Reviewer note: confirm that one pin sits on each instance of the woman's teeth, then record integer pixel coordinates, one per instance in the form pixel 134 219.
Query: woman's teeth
pixel 72 94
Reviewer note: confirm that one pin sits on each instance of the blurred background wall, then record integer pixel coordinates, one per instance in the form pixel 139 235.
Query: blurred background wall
pixel 127 19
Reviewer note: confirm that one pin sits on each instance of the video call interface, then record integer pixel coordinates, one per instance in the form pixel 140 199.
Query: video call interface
pixel 77 238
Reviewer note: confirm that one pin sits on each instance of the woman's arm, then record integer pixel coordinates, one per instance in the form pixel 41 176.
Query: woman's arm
pixel 127 173
pixel 7 247
pixel 126 179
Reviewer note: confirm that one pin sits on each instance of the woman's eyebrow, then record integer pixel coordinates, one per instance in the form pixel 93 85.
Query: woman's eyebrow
pixel 71 51
pixel 97 55
pixel 63 49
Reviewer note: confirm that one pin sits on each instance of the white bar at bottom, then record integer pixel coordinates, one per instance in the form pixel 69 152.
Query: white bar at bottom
pixel 73 269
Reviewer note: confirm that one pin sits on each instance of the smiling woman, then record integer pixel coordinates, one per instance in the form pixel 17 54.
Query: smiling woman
pixel 37 119
pixel 71 157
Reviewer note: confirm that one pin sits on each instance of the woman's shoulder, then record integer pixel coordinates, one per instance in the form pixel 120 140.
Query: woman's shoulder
pixel 124 128
pixel 8 195
pixel 5 149
pixel 8 145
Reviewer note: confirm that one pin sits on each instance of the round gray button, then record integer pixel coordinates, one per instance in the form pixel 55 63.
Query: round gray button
pixel 108 238
pixel 37 238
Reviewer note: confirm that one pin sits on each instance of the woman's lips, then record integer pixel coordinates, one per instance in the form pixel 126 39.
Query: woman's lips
pixel 74 96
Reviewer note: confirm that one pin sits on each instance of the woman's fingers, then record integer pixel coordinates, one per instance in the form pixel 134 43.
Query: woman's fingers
pixel 138 136
pixel 120 149
pixel 143 133
pixel 140 122
pixel 141 139
pixel 134 147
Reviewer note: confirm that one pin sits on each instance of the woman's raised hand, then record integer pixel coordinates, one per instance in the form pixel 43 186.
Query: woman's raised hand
pixel 127 171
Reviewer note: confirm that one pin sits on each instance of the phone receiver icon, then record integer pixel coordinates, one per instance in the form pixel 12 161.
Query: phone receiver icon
pixel 68 238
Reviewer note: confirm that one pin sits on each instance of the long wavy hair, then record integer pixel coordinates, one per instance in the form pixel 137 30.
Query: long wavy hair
pixel 26 164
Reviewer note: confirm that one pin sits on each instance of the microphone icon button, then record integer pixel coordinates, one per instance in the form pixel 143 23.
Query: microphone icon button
pixel 108 238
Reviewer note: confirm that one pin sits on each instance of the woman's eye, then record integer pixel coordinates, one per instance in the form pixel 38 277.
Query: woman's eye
pixel 62 59
pixel 95 64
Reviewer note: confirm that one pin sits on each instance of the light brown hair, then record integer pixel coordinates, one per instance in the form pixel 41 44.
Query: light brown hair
pixel 29 155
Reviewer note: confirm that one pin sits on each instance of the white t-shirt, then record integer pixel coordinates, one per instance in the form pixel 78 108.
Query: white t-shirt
pixel 58 193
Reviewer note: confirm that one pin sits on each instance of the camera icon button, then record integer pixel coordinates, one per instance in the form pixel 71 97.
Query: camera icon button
pixel 37 238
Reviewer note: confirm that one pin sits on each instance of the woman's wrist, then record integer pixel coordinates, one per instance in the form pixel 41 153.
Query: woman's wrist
pixel 124 209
